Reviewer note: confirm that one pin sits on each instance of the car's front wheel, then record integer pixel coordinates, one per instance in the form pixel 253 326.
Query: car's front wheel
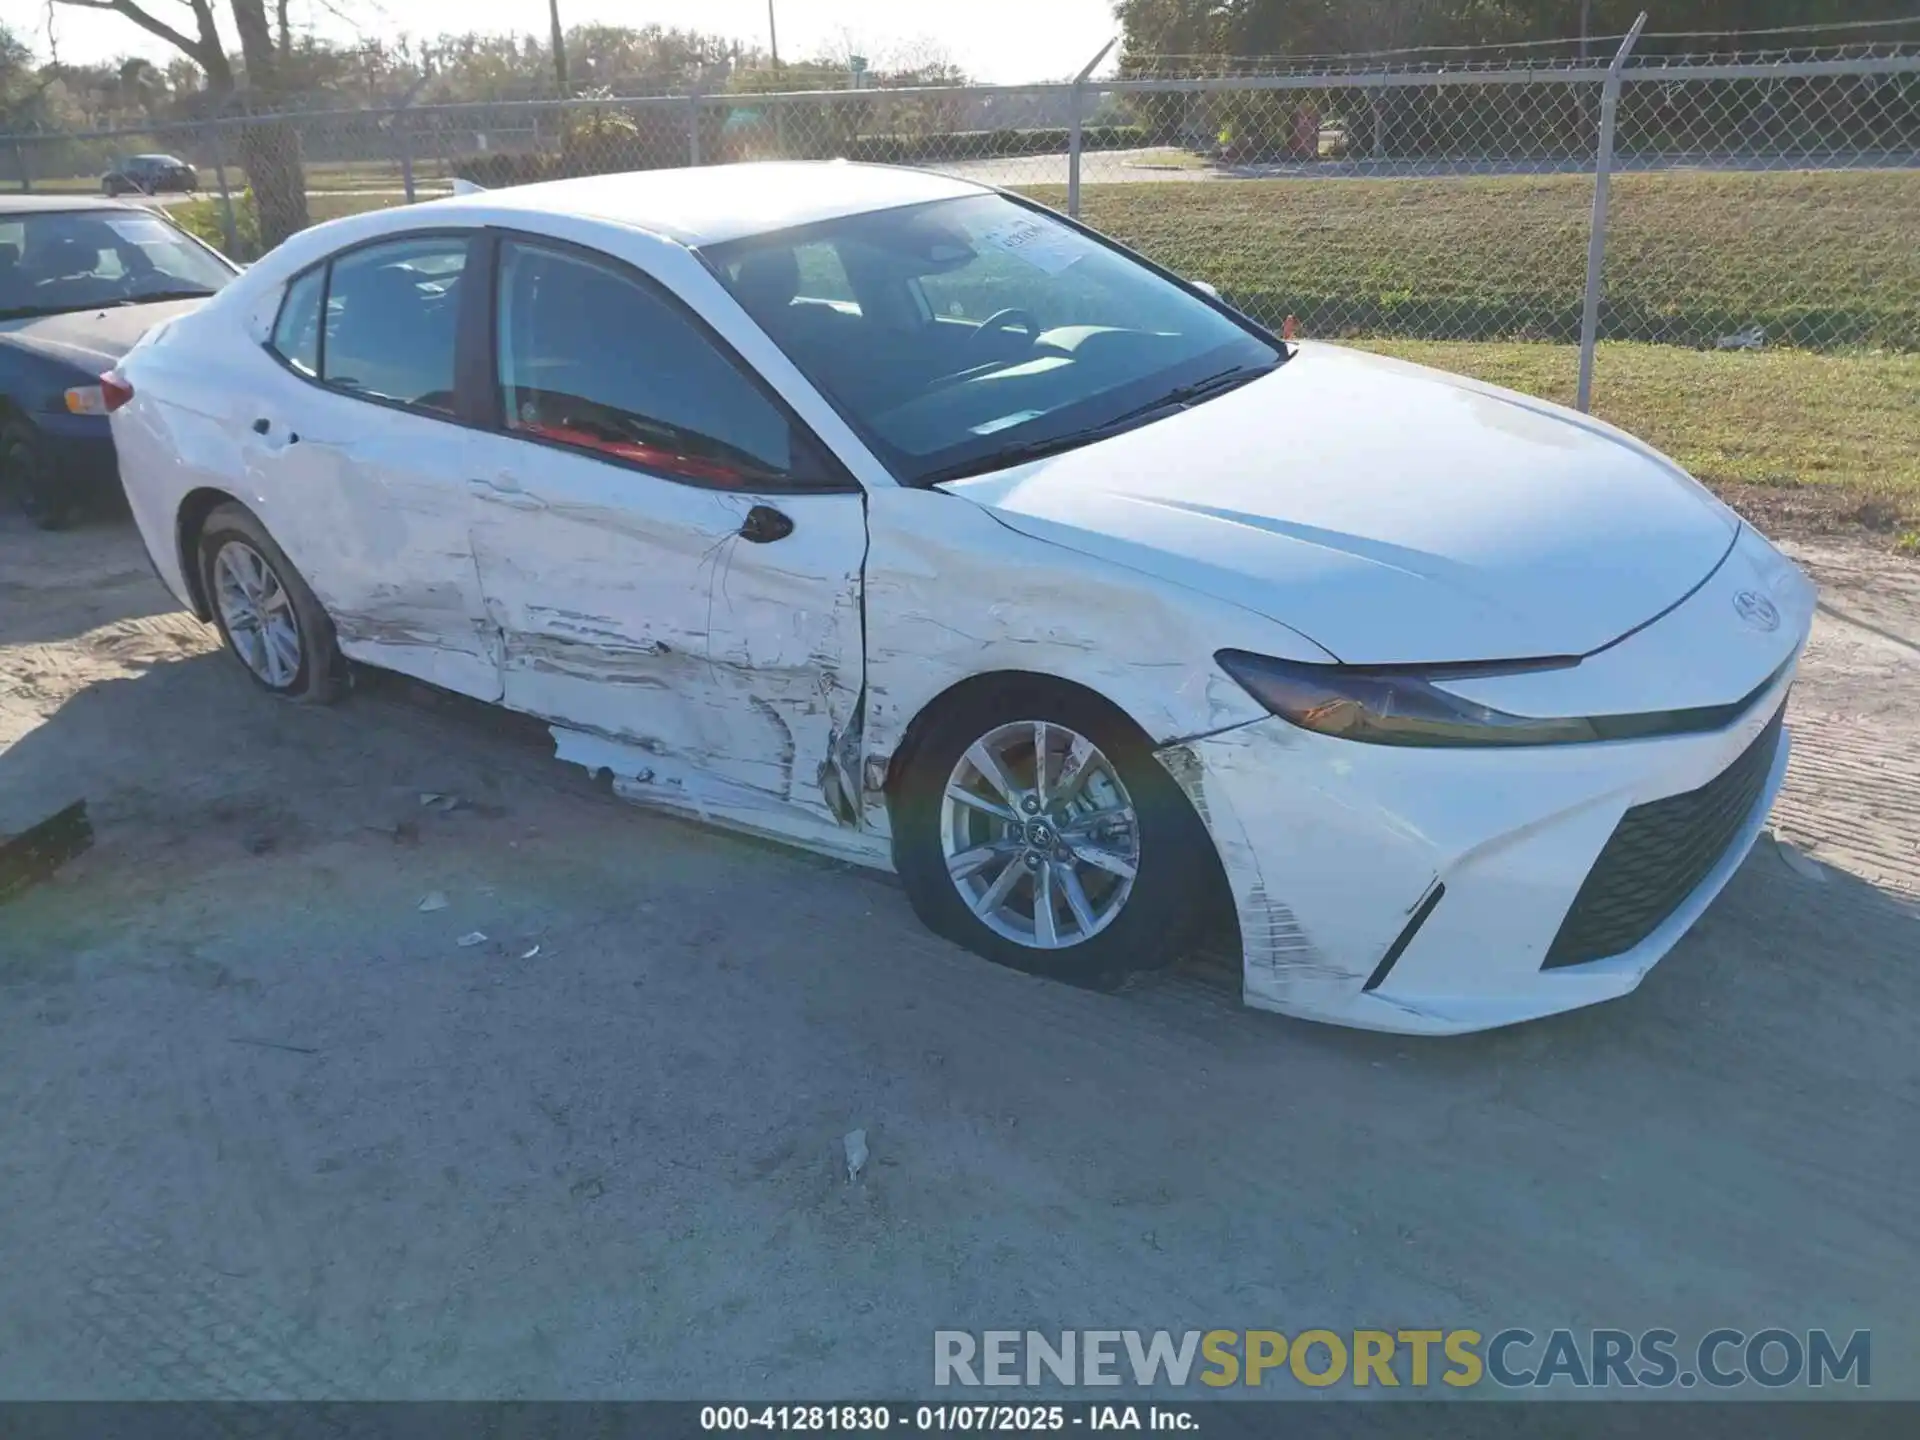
pixel 1034 826
pixel 266 612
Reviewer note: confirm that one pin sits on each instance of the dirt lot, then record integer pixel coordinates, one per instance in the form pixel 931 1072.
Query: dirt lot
pixel 267 1128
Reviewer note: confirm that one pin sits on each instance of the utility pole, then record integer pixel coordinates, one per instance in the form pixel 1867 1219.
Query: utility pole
pixel 559 47
pixel 1586 17
pixel 773 37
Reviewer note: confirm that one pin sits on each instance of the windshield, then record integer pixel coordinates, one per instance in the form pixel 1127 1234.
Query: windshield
pixel 966 334
pixel 82 259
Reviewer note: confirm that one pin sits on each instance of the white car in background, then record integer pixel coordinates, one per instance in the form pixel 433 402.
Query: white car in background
pixel 907 521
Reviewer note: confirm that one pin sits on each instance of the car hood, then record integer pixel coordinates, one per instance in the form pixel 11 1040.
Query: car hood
pixel 92 339
pixel 1390 513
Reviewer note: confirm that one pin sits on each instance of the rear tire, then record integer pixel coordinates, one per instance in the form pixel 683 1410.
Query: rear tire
pixel 269 617
pixel 28 480
pixel 1100 923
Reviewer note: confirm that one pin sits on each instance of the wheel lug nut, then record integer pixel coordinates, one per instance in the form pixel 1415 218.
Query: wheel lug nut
pixel 1030 805
pixel 1033 861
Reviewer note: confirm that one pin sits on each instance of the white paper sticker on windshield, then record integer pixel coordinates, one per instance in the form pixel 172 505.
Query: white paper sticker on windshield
pixel 140 229
pixel 1048 248
pixel 1006 422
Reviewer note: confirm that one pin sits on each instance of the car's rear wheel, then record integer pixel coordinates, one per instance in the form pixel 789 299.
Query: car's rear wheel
pixel 267 614
pixel 1035 827
pixel 28 478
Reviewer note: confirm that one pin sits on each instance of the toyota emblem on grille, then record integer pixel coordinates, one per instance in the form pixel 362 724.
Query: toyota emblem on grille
pixel 1757 610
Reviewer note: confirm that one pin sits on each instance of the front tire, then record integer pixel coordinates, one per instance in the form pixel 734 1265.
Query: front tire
pixel 269 617
pixel 1084 864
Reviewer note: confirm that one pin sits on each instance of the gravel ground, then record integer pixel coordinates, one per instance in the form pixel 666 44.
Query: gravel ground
pixel 268 1129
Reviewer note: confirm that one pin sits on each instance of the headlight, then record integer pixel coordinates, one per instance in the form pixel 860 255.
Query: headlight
pixel 1381 707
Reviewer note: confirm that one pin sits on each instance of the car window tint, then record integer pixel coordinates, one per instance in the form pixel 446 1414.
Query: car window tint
pixel 592 359
pixel 392 310
pixel 296 334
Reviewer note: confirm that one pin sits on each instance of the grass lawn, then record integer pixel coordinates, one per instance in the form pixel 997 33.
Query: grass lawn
pixel 1794 439
pixel 1825 258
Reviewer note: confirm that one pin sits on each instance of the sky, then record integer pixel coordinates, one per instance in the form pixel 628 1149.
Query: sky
pixel 995 41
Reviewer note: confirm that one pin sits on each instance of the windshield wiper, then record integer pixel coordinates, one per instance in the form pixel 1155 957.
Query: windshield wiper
pixel 1195 391
pixel 1026 450
pixel 153 297
pixel 39 312
pixel 1177 398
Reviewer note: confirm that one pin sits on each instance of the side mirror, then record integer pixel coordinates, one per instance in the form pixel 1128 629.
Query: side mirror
pixel 1206 287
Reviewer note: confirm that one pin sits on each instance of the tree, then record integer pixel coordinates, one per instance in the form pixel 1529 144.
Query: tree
pixel 22 93
pixel 269 148
pixel 559 47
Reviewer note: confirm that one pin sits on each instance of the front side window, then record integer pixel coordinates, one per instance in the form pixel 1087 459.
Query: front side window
pixel 963 334
pixel 65 260
pixel 392 311
pixel 592 359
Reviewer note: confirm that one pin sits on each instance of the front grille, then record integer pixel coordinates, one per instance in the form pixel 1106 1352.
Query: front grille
pixel 1658 855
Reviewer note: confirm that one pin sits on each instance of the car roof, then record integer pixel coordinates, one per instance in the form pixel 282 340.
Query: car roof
pixel 17 204
pixel 716 203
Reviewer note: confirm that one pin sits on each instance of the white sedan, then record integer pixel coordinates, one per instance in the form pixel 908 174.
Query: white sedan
pixel 907 521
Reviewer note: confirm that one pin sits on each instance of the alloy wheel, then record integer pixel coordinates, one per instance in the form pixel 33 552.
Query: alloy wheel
pixel 258 614
pixel 1039 835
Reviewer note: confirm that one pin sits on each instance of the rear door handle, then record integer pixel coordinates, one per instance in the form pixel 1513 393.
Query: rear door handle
pixel 764 525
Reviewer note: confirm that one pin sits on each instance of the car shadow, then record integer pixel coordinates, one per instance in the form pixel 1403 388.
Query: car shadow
pixel 190 743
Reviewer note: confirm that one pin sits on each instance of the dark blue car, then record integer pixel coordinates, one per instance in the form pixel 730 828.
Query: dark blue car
pixel 80 281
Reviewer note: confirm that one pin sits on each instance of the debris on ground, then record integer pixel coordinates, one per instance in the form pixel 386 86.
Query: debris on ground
pixel 478 937
pixel 272 1045
pixel 39 850
pixel 531 953
pixel 856 1146
pixel 434 800
pixel 1752 338
pixel 433 900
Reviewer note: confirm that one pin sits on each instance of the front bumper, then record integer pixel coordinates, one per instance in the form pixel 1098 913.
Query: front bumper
pixel 1332 849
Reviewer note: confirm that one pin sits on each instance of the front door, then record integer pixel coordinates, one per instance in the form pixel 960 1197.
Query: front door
pixel 671 564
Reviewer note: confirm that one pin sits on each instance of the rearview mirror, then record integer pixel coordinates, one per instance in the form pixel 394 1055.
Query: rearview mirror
pixel 1206 288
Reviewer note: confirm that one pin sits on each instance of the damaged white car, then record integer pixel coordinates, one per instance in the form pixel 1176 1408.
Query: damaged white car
pixel 907 521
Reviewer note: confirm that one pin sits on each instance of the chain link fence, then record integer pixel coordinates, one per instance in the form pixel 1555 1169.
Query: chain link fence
pixel 1750 200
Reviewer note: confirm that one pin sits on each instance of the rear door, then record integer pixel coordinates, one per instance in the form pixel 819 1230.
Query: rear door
pixel 363 465
pixel 672 561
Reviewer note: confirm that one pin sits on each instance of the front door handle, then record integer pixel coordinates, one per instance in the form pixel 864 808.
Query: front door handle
pixel 764 525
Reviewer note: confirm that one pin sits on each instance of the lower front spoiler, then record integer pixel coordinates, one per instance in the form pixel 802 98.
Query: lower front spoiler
pixel 1332 849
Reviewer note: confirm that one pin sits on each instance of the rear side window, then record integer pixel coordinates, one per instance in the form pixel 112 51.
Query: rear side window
pixel 391 314
pixel 296 334
pixel 591 359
